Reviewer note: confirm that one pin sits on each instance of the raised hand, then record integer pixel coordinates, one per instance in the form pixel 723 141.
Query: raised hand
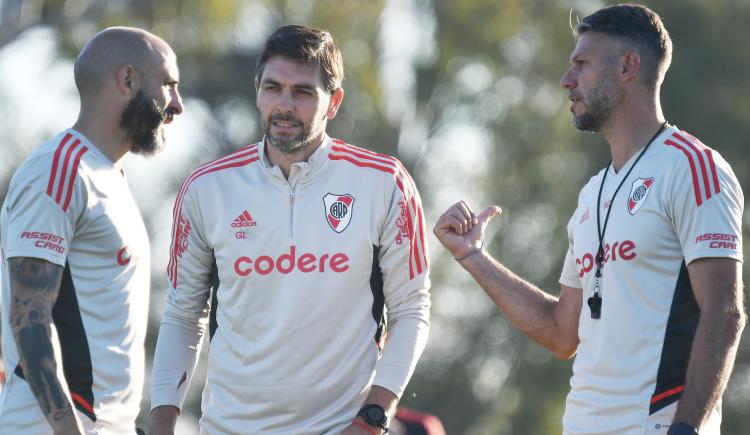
pixel 461 231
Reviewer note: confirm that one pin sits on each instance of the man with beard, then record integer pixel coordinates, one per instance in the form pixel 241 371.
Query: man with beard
pixel 75 250
pixel 307 242
pixel 651 289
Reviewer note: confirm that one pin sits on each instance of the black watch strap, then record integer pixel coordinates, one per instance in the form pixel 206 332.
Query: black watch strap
pixel 374 415
pixel 681 429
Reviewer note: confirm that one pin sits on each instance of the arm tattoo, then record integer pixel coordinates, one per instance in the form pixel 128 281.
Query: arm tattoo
pixel 35 274
pixel 34 287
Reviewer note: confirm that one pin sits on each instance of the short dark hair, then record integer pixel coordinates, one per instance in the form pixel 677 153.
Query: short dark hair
pixel 308 45
pixel 639 26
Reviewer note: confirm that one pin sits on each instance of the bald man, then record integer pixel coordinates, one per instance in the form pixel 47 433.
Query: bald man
pixel 76 253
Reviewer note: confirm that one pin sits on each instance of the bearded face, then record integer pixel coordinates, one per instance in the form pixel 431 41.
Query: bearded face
pixel 599 103
pixel 599 99
pixel 289 134
pixel 143 122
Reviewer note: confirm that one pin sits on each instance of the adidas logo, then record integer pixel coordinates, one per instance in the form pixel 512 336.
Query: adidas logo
pixel 244 220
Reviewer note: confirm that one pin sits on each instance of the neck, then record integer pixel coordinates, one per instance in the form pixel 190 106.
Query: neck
pixel 286 160
pixel 104 132
pixel 629 131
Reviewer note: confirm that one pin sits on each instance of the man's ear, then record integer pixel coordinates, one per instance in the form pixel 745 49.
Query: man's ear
pixel 333 106
pixel 128 80
pixel 630 66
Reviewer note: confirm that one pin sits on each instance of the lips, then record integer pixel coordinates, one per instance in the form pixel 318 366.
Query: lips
pixel 573 100
pixel 285 122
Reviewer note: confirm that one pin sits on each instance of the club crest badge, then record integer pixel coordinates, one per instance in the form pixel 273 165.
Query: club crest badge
pixel 638 193
pixel 338 209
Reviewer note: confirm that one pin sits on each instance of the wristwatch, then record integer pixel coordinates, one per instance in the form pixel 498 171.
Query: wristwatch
pixel 374 415
pixel 681 429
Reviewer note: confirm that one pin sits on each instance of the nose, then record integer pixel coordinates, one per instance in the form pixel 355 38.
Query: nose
pixel 285 102
pixel 175 103
pixel 567 81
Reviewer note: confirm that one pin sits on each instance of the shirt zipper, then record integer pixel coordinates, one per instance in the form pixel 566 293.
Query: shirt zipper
pixel 291 212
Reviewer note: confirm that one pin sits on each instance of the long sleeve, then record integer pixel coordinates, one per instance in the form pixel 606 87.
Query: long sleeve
pixel 187 308
pixel 405 270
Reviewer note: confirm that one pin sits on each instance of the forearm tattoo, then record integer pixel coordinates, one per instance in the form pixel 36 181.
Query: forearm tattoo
pixel 35 284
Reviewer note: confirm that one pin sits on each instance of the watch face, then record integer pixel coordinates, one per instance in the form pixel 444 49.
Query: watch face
pixel 374 414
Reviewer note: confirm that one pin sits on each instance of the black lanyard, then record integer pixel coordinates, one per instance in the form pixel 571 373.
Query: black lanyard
pixel 595 301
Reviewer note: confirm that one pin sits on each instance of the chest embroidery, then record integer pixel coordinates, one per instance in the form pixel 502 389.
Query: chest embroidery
pixel 338 209
pixel 638 194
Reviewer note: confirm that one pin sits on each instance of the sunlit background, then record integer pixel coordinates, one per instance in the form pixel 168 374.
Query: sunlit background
pixel 464 92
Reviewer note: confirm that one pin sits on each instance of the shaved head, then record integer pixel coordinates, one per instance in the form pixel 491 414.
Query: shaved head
pixel 111 49
pixel 127 79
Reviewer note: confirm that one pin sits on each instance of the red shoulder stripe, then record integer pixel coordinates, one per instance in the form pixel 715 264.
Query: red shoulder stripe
pixel 401 173
pixel 64 172
pixel 246 156
pixel 382 162
pixel 242 152
pixel 56 162
pixel 704 173
pixel 72 179
pixel 412 244
pixel 363 164
pixel 383 158
pixel 241 157
pixel 172 267
pixel 709 156
pixel 696 187
pixel 248 151
pixel 365 151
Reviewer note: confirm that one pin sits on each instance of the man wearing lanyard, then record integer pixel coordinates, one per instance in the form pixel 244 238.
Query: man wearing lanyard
pixel 651 290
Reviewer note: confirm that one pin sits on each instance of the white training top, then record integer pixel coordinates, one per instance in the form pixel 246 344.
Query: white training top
pixel 68 204
pixel 681 202
pixel 302 269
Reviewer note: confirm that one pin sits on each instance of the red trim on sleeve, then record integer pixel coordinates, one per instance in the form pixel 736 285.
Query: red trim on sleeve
pixel 664 394
pixel 81 401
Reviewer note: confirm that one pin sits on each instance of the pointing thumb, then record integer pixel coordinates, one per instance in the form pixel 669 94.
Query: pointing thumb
pixel 488 213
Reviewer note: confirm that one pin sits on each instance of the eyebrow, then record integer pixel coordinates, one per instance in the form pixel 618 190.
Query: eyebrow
pixel 575 57
pixel 307 86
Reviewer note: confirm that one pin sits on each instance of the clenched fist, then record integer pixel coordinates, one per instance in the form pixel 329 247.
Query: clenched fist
pixel 461 231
